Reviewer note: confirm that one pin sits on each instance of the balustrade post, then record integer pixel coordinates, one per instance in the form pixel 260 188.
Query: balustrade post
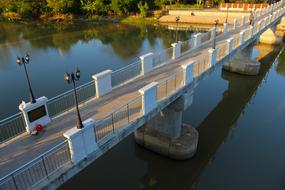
pixel 197 40
pixel 213 32
pixel 258 26
pixel 188 72
pixel 243 20
pixel 235 23
pixel 81 141
pixel 149 97
pixel 230 45
pixel 242 33
pixel 103 83
pixel 176 50
pixel 212 56
pixel 226 28
pixel 251 31
pixel 146 63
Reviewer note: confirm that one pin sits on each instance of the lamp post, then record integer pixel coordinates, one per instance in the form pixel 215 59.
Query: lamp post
pixel 214 41
pixel 272 3
pixel 71 78
pixel 227 13
pixel 23 61
pixel 177 20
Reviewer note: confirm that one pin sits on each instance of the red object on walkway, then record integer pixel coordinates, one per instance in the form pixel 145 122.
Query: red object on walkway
pixel 38 128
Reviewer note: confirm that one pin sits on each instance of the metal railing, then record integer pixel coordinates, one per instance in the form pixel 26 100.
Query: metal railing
pixel 126 73
pixel 118 119
pixel 222 52
pixel 236 41
pixel 170 85
pixel 38 169
pixel 11 127
pixel 187 45
pixel 65 101
pixel 162 57
pixel 206 37
pixel 201 65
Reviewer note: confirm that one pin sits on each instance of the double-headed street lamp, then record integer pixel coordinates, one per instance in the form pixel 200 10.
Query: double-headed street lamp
pixel 176 20
pixel 214 41
pixel 71 78
pixel 23 61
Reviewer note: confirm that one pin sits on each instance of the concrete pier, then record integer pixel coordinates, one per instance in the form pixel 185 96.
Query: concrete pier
pixel 245 63
pixel 165 133
pixel 269 37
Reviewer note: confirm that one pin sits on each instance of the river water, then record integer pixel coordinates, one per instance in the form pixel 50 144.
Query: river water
pixel 240 119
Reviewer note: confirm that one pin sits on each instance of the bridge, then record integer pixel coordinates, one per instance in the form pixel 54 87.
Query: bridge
pixel 117 103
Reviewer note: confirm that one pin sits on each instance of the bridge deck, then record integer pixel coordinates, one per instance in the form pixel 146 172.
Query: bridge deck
pixel 25 148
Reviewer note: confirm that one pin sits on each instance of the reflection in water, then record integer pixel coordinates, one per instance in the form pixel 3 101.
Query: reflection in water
pixel 215 128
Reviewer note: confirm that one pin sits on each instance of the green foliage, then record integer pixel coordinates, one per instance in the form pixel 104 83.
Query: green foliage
pixel 143 8
pixel 100 7
pixel 60 6
pixel 123 6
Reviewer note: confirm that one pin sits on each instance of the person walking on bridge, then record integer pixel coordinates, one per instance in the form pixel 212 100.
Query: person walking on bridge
pixel 251 18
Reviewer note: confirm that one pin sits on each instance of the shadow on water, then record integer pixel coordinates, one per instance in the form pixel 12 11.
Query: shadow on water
pixel 121 168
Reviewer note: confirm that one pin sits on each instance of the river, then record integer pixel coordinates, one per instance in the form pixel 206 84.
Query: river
pixel 240 119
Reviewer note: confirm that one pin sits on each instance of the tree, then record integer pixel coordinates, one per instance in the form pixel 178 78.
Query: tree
pixel 60 6
pixel 95 6
pixel 143 8
pixel 123 6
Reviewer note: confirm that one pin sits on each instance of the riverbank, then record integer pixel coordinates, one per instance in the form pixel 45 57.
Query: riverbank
pixel 202 16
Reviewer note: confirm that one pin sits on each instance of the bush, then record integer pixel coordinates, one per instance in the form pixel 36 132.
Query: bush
pixel 60 6
pixel 143 8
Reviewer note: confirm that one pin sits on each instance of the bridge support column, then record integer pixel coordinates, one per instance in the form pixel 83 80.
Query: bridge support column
pixel 269 37
pixel 81 142
pixel 176 51
pixel 226 28
pixel 146 63
pixel 197 40
pixel 244 63
pixel 235 23
pixel 165 133
pixel 243 20
pixel 103 83
pixel 212 56
pixel 230 45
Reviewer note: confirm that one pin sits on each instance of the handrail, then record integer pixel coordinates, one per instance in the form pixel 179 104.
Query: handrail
pixel 33 160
